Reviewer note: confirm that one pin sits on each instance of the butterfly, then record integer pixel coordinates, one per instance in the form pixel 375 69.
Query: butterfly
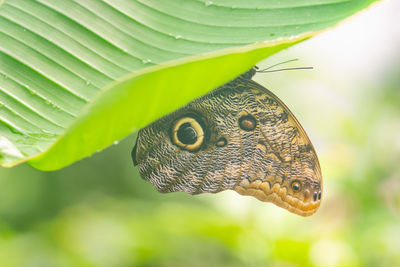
pixel 240 137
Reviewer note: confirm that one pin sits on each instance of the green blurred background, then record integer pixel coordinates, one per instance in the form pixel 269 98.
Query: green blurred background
pixel 99 212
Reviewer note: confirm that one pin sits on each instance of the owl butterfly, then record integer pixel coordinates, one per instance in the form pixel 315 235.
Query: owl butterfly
pixel 239 137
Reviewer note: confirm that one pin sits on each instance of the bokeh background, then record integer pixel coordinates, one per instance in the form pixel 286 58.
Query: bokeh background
pixel 99 212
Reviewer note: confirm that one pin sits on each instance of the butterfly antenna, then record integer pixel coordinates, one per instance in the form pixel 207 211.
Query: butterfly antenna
pixel 284 62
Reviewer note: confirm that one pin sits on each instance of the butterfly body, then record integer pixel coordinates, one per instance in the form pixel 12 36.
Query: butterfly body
pixel 240 137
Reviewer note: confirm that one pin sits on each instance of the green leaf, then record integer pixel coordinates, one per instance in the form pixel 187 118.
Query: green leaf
pixel 76 76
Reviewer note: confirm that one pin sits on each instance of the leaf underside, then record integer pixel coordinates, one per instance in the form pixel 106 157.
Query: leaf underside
pixel 77 75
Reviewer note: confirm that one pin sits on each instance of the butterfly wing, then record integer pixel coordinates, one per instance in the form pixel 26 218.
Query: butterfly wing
pixel 289 173
pixel 239 137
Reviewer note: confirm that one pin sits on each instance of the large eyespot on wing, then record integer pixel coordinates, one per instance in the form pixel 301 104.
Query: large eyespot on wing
pixel 188 133
pixel 290 174
pixel 171 152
